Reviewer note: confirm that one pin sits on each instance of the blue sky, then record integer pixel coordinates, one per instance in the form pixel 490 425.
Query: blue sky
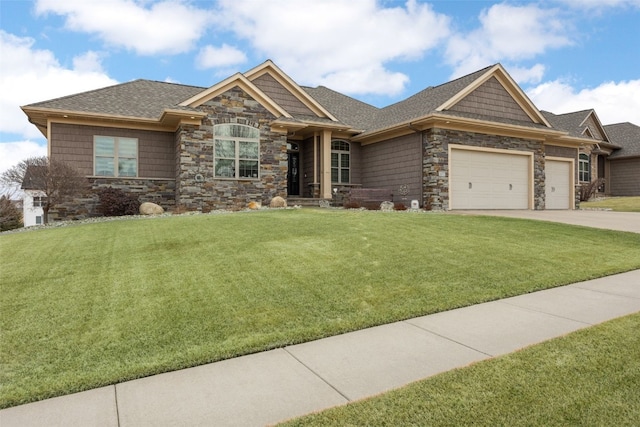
pixel 567 55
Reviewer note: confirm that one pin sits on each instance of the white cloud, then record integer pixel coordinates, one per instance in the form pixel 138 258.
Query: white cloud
pixel 507 33
pixel 335 42
pixel 223 56
pixel 524 75
pixel 614 102
pixel 374 79
pixel 89 62
pixel 599 4
pixel 166 27
pixel 29 75
pixel 11 153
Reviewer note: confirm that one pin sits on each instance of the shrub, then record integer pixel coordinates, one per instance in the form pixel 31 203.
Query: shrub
pixel 588 190
pixel 115 202
pixel 371 205
pixel 10 216
pixel 351 204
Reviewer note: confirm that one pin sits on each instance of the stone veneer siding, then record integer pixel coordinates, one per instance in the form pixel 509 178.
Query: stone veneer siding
pixel 197 188
pixel 86 205
pixel 435 162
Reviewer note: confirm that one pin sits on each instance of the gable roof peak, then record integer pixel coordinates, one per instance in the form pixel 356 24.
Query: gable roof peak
pixel 476 79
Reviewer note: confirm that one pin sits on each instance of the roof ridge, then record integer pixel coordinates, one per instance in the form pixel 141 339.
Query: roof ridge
pixel 341 94
pixel 622 123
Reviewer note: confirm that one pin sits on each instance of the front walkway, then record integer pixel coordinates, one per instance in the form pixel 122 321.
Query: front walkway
pixel 269 387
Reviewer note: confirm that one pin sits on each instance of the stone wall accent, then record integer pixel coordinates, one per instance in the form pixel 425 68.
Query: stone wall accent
pixel 158 191
pixel 435 162
pixel 198 188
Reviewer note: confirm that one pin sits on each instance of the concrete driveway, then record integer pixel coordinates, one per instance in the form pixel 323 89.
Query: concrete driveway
pixel 622 221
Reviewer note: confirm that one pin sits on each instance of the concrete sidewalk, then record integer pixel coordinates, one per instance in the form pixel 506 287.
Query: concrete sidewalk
pixel 273 386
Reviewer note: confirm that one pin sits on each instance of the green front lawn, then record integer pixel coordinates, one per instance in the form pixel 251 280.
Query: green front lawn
pixel 620 204
pixel 588 378
pixel 89 305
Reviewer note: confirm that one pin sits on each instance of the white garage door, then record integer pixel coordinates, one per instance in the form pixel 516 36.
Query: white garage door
pixel 487 180
pixel 557 184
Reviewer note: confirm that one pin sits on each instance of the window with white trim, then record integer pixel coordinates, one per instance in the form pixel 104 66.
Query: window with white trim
pixel 39 201
pixel 115 156
pixel 584 168
pixel 236 151
pixel 340 162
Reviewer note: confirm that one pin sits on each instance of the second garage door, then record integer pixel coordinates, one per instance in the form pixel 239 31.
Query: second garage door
pixel 558 184
pixel 489 180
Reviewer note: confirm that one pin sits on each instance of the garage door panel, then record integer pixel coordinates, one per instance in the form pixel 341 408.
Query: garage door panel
pixel 487 180
pixel 558 184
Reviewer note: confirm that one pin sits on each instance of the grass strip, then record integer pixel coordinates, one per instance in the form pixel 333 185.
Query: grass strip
pixel 589 378
pixel 620 204
pixel 91 305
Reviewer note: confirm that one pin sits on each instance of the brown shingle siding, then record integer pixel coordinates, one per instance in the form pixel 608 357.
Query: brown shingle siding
pixel 282 96
pixel 491 99
pixel 74 144
pixel 624 177
pixel 393 163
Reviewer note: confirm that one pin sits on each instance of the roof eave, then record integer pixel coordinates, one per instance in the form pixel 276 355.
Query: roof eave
pixel 169 119
pixel 446 121
pixel 293 126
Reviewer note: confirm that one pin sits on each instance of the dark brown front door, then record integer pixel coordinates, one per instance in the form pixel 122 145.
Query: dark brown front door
pixel 293 175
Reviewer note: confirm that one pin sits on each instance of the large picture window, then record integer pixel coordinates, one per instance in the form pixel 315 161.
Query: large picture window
pixel 236 151
pixel 584 168
pixel 115 156
pixel 340 162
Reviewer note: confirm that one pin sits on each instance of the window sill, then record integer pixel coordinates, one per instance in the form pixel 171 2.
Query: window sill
pixel 220 178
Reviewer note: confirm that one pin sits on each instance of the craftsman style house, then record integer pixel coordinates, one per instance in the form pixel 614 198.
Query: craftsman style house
pixel 614 156
pixel 476 142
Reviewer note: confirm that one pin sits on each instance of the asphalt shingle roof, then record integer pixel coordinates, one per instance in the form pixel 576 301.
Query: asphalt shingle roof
pixel 570 122
pixel 357 114
pixel 138 98
pixel 626 135
pixel 424 102
pixel 148 99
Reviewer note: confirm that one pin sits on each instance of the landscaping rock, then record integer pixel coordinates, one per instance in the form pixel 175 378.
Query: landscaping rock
pixel 148 208
pixel 386 206
pixel 278 202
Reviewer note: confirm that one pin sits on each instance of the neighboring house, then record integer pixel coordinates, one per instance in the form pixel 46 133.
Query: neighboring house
pixel 476 142
pixel 623 172
pixel 33 200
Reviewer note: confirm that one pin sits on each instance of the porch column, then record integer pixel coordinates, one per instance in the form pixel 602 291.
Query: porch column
pixel 325 165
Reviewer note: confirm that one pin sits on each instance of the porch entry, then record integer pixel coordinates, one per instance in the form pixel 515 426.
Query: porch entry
pixel 293 170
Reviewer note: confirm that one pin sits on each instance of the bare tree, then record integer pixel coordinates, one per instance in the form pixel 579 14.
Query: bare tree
pixel 57 180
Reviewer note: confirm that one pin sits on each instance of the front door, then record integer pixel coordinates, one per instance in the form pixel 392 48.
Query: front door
pixel 293 174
